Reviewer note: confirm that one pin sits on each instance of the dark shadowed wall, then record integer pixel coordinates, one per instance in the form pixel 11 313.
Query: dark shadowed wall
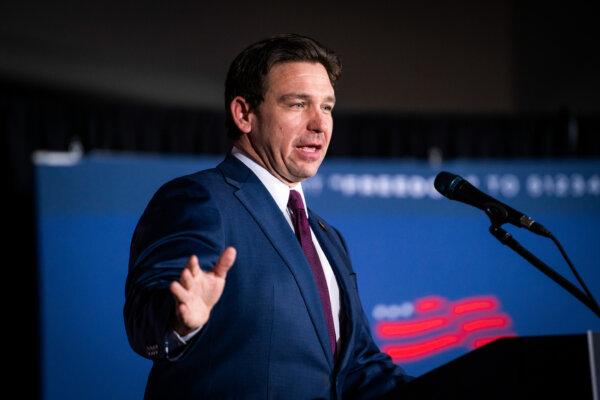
pixel 424 56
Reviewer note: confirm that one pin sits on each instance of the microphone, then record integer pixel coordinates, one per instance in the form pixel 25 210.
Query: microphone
pixel 456 188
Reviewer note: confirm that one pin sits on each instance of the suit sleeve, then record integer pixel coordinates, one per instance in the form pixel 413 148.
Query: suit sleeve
pixel 372 375
pixel 181 220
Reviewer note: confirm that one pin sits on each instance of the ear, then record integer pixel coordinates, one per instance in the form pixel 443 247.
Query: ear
pixel 241 114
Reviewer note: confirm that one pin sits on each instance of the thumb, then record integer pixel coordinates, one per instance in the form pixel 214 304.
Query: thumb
pixel 225 262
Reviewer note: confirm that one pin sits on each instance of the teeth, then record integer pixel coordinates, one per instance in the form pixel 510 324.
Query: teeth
pixel 309 149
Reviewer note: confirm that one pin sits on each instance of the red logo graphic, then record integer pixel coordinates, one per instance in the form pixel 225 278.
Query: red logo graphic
pixel 438 325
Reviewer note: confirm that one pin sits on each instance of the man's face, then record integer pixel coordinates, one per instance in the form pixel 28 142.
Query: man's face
pixel 291 128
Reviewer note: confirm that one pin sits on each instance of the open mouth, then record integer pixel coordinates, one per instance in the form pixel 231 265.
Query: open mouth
pixel 309 148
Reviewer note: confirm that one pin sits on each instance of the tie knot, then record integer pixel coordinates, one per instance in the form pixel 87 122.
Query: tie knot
pixel 295 202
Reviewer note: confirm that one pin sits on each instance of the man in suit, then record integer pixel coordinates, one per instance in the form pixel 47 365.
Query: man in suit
pixel 235 288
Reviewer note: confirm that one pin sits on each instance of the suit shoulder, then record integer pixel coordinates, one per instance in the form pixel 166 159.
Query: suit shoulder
pixel 197 184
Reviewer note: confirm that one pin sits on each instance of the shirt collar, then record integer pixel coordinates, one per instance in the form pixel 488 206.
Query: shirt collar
pixel 278 190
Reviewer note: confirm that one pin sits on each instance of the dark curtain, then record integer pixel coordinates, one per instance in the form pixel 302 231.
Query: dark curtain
pixel 51 119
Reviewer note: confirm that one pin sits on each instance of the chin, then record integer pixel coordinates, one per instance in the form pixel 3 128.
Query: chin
pixel 299 176
pixel 304 171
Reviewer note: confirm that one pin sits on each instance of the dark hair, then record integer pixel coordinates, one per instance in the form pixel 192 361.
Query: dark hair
pixel 247 72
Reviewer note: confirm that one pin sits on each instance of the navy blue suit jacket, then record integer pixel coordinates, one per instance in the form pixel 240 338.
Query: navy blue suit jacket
pixel 266 337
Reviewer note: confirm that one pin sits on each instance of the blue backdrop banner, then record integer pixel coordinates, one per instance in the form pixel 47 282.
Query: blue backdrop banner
pixel 434 283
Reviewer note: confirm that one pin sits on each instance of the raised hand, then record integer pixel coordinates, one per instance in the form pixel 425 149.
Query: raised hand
pixel 198 291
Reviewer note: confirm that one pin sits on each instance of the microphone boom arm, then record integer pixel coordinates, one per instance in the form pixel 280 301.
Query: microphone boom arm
pixel 508 240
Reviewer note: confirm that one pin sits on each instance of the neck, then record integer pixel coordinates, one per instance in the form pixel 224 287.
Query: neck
pixel 245 146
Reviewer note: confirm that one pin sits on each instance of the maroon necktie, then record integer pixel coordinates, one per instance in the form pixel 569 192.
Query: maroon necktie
pixel 300 222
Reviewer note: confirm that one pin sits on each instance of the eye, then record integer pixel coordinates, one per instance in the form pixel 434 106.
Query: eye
pixel 327 108
pixel 297 105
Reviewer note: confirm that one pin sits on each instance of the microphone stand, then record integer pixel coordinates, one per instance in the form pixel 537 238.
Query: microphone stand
pixel 508 240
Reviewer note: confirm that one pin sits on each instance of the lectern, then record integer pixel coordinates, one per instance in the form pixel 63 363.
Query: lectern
pixel 535 367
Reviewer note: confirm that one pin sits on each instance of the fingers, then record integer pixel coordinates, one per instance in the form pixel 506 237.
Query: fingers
pixel 180 293
pixel 192 271
pixel 193 266
pixel 225 262
pixel 186 279
pixel 189 272
pixel 182 308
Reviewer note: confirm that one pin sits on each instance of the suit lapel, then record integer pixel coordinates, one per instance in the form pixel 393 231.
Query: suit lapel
pixel 334 254
pixel 259 203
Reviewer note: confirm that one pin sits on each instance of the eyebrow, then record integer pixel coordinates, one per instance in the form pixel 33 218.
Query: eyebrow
pixel 303 96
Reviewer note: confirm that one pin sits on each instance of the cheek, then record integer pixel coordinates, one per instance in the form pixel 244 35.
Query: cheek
pixel 287 132
pixel 328 128
pixel 328 135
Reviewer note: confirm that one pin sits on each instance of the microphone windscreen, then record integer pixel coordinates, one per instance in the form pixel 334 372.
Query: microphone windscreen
pixel 443 183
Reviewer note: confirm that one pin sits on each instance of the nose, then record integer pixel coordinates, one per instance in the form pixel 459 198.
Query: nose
pixel 319 121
